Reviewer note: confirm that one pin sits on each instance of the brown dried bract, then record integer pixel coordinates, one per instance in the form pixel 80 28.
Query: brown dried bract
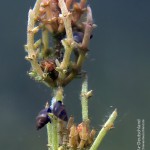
pixel 48 65
pixel 49 13
pixel 73 137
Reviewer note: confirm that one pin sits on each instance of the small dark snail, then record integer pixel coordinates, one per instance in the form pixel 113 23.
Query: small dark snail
pixel 60 111
pixel 57 108
pixel 78 36
pixel 42 119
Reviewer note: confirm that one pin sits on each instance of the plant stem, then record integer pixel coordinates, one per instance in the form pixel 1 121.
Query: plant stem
pixel 88 28
pixel 107 126
pixel 84 99
pixel 81 59
pixel 30 44
pixel 32 54
pixel 68 51
pixel 45 41
pixel 54 134
pixel 49 135
pixel 49 132
pixel 36 7
pixel 37 44
pixel 59 94
pixel 66 16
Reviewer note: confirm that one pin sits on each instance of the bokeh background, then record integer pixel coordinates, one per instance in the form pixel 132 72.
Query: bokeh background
pixel 118 67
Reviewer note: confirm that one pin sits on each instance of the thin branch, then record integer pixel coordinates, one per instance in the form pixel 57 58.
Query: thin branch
pixel 32 52
pixel 49 135
pixel 37 7
pixel 66 16
pixel 30 44
pixel 107 126
pixel 88 28
pixel 68 42
pixel 54 134
pixel 45 41
pixel 68 51
pixel 49 132
pixel 85 95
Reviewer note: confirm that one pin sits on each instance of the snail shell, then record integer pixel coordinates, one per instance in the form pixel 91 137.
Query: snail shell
pixel 42 119
pixel 60 111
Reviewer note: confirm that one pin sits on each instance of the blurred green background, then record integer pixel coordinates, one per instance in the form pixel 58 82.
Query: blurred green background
pixel 118 67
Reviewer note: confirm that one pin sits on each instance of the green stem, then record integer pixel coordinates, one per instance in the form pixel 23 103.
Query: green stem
pixel 32 56
pixel 68 50
pixel 81 59
pixel 54 134
pixel 107 126
pixel 49 136
pixel 59 94
pixel 66 16
pixel 45 41
pixel 49 132
pixel 84 99
pixel 78 66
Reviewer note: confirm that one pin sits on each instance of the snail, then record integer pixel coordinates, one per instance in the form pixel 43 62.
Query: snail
pixel 60 111
pixel 57 108
pixel 42 119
